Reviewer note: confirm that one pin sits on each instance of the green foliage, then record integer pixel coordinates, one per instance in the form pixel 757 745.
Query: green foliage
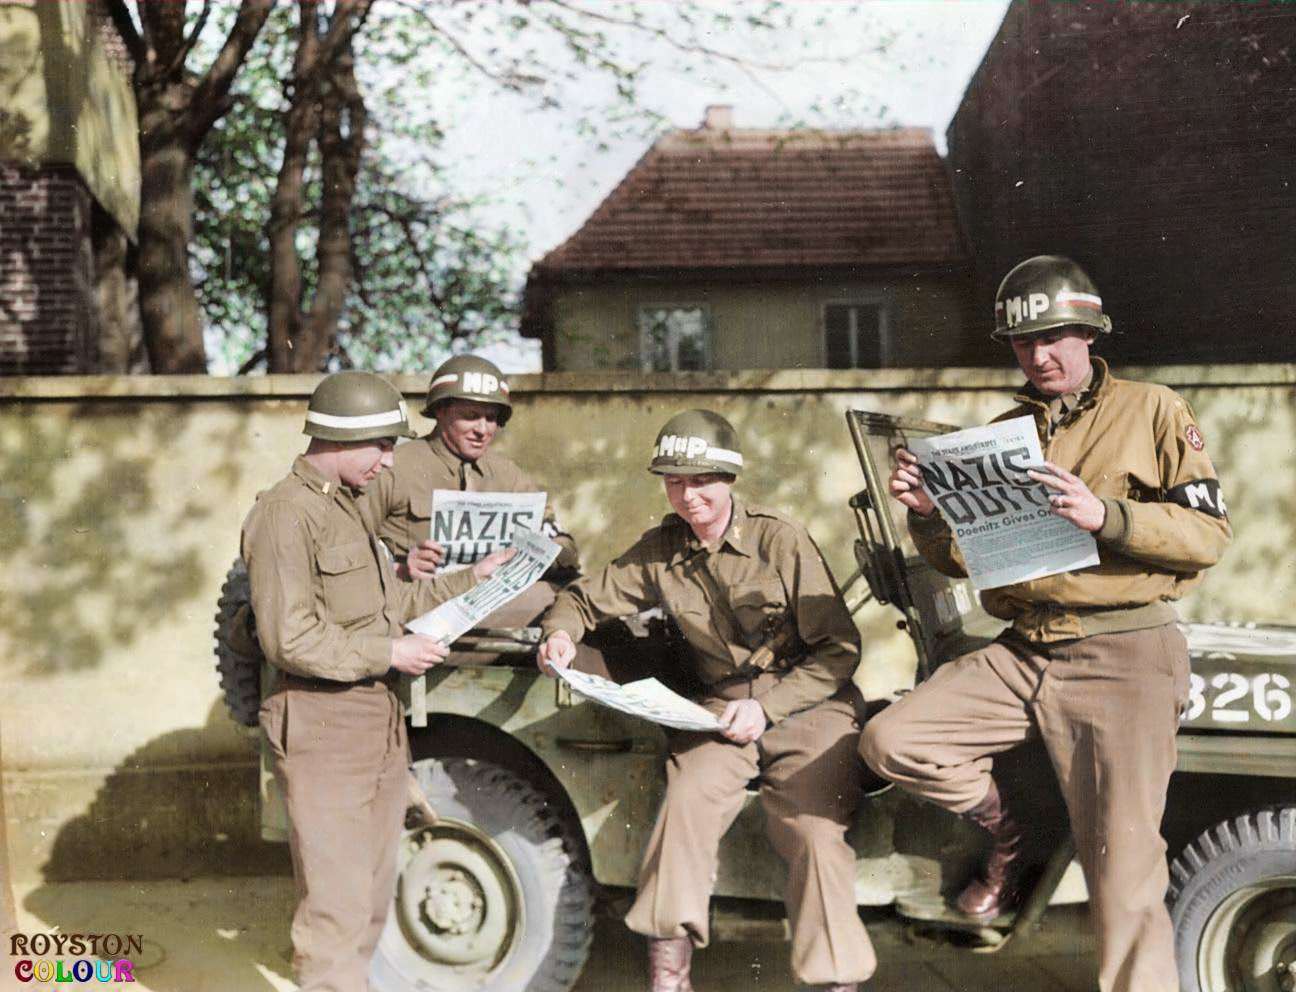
pixel 424 275
pixel 426 271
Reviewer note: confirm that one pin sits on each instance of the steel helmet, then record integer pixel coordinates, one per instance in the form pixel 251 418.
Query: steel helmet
pixel 1045 292
pixel 468 377
pixel 696 442
pixel 356 406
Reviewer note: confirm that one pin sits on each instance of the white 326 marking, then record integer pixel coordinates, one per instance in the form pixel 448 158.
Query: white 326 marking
pixel 1237 697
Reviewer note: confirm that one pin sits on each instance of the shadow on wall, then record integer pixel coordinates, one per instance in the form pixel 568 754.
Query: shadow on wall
pixel 76 494
pixel 153 818
pixel 607 498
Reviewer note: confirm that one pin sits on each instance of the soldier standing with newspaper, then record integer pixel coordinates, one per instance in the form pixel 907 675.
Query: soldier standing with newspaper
pixel 775 647
pixel 329 612
pixel 1093 661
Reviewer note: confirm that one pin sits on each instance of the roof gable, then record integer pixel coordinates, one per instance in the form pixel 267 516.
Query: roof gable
pixel 737 198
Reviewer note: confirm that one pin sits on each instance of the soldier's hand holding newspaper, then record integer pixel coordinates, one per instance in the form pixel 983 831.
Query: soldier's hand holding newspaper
pixel 424 559
pixel 414 654
pixel 906 484
pixel 485 568
pixel 558 651
pixel 1070 498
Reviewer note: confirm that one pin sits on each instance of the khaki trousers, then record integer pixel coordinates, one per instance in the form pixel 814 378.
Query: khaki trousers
pixel 1107 709
pixel 809 786
pixel 341 758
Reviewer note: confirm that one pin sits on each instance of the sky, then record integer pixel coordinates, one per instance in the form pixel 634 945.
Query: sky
pixel 541 172
pixel 547 180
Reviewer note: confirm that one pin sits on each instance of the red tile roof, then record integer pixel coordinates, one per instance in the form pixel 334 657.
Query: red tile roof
pixel 738 198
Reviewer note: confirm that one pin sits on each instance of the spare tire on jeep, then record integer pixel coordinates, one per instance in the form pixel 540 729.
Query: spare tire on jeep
pixel 238 652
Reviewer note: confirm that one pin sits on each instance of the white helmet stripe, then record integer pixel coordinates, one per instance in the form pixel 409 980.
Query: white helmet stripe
pixel 387 417
pixel 724 455
pixel 1067 296
pixel 441 380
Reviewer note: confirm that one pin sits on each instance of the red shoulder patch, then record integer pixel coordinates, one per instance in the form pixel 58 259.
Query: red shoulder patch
pixel 1194 437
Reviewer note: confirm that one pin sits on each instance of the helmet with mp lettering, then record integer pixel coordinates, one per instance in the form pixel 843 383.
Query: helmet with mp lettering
pixel 1043 293
pixel 696 442
pixel 469 377
pixel 356 406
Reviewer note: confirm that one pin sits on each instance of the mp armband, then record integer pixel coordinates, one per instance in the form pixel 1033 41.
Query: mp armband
pixel 1200 494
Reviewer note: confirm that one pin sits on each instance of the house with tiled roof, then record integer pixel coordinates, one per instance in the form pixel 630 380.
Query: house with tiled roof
pixel 726 248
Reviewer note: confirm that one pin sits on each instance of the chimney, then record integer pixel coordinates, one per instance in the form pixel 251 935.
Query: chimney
pixel 718 117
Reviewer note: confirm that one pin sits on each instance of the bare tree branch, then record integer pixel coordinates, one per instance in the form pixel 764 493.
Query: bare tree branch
pixel 178 60
pixel 348 16
pixel 257 358
pixel 510 79
pixel 126 28
pixel 209 101
pixel 661 34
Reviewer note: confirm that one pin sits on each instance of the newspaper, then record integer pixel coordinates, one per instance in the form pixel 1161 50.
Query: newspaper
pixel 999 515
pixel 450 620
pixel 647 699
pixel 472 525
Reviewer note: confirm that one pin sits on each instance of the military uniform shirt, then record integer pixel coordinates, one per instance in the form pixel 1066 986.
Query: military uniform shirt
pixel 766 566
pixel 399 502
pixel 1138 448
pixel 326 600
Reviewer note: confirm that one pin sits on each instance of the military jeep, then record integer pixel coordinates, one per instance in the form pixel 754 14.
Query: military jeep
pixel 545 801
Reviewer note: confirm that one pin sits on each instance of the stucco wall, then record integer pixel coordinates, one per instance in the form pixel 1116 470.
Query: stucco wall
pixel 121 499
pixel 766 323
pixel 67 99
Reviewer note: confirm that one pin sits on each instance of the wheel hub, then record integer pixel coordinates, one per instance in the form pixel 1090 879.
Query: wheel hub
pixel 454 903
pixel 458 902
pixel 1249 943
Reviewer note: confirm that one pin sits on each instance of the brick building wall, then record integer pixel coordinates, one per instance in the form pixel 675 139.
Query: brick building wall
pixel 1156 144
pixel 47 319
pixel 51 291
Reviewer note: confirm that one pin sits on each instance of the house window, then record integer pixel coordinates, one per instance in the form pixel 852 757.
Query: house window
pixel 675 338
pixel 856 336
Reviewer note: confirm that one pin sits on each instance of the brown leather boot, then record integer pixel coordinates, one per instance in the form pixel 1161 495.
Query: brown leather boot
pixel 994 889
pixel 668 964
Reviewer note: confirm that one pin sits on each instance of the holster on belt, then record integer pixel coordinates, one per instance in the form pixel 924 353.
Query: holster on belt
pixel 780 650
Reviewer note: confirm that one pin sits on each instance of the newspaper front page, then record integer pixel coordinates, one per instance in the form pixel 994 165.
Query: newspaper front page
pixel 453 618
pixel 999 515
pixel 647 699
pixel 472 525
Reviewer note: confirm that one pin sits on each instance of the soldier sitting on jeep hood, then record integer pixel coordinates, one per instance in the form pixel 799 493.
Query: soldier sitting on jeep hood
pixel 736 579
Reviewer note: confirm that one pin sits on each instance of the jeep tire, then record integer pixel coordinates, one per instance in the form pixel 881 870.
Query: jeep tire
pixel 496 897
pixel 1233 905
pixel 238 654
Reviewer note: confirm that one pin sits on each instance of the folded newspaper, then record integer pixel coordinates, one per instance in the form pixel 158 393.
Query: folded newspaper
pixel 647 698
pixel 453 618
pixel 471 525
pixel 1000 516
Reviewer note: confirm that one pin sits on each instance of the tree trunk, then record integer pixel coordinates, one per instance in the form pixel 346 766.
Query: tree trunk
pixel 286 206
pixel 342 125
pixel 326 107
pixel 168 305
pixel 176 111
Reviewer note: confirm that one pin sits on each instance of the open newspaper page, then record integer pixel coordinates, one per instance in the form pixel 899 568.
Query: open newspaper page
pixel 647 699
pixel 472 525
pixel 999 515
pixel 453 618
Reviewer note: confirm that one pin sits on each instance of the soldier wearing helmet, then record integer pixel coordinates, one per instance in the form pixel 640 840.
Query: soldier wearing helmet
pixel 1093 661
pixel 329 617
pixel 470 399
pixel 774 648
